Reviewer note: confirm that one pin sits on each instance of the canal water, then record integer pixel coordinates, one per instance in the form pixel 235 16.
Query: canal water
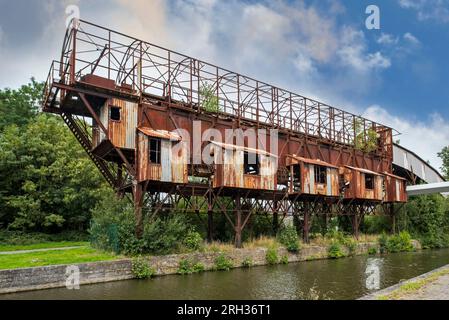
pixel 329 279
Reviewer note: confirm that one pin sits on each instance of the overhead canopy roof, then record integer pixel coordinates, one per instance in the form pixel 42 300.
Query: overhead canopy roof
pixel 364 170
pixel 162 134
pixel 242 148
pixel 394 176
pixel 313 161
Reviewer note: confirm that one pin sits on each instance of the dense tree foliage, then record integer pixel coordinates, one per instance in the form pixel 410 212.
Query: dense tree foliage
pixel 19 106
pixel 444 155
pixel 47 181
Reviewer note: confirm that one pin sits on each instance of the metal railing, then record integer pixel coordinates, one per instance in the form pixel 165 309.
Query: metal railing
pixel 151 70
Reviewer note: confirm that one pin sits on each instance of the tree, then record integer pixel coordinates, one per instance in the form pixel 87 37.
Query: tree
pixel 19 106
pixel 444 155
pixel 48 183
pixel 365 139
pixel 209 99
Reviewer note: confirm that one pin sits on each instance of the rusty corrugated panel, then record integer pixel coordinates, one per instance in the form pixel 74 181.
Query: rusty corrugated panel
pixel 251 182
pixel 142 157
pixel 154 172
pixel 179 162
pixel 166 164
pixel 130 125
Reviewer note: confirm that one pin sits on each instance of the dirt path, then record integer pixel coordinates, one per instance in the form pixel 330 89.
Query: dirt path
pixel 40 250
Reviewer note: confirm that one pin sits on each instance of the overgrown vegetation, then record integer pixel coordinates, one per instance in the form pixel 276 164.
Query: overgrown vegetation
pixel 272 256
pixel 247 262
pixel 289 238
pixel 366 139
pixel 335 251
pixel 141 269
pixel 401 242
pixel 186 266
pixel 209 99
pixel 223 263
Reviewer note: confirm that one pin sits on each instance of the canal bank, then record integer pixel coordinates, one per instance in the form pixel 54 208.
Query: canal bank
pixel 331 279
pixel 433 285
pixel 26 279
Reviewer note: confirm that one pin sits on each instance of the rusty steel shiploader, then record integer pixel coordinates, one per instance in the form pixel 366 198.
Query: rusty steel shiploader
pixel 124 98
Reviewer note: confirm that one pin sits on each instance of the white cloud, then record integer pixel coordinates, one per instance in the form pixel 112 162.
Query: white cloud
pixel 411 38
pixel 436 10
pixel 387 39
pixel 426 139
pixel 353 52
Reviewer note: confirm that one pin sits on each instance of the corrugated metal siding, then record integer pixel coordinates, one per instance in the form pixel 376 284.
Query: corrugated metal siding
pixel 123 133
pixel 173 167
pixel 231 172
pixel 179 162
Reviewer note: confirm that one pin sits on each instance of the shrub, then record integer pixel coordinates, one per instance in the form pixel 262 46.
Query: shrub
pixel 223 263
pixel 396 243
pixel 113 229
pixel 351 244
pixel 372 251
pixel 272 256
pixel 383 240
pixel 141 269
pixel 193 240
pixel 247 263
pixel 289 238
pixel 284 259
pixel 198 267
pixel 335 251
pixel 185 267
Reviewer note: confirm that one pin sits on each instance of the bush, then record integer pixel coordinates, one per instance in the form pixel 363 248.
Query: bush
pixel 335 251
pixel 351 244
pixel 247 263
pixel 141 269
pixel 198 267
pixel 113 229
pixel 193 240
pixel 372 251
pixel 284 259
pixel 272 256
pixel 223 263
pixel 184 267
pixel 289 238
pixel 187 267
pixel 396 243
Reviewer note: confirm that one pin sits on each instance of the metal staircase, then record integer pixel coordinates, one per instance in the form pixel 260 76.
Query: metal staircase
pixel 87 145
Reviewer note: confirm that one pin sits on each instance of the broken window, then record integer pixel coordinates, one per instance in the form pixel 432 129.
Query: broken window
pixel 155 150
pixel 115 113
pixel 320 174
pixel 251 163
pixel 369 181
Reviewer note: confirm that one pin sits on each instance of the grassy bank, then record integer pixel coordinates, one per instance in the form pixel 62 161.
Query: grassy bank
pixel 53 257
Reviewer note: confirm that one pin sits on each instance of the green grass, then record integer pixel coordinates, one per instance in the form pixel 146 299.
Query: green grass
pixel 43 245
pixel 53 257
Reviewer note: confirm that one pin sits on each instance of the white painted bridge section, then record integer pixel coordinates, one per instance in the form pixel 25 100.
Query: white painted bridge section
pixel 411 162
pixel 420 189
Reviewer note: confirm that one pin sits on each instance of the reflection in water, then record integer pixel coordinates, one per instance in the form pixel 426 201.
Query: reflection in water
pixel 326 279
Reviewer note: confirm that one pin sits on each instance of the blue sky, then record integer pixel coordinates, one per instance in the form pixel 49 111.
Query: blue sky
pixel 318 48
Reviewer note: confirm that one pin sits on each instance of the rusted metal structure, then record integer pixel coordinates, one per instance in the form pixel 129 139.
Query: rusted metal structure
pixel 124 98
